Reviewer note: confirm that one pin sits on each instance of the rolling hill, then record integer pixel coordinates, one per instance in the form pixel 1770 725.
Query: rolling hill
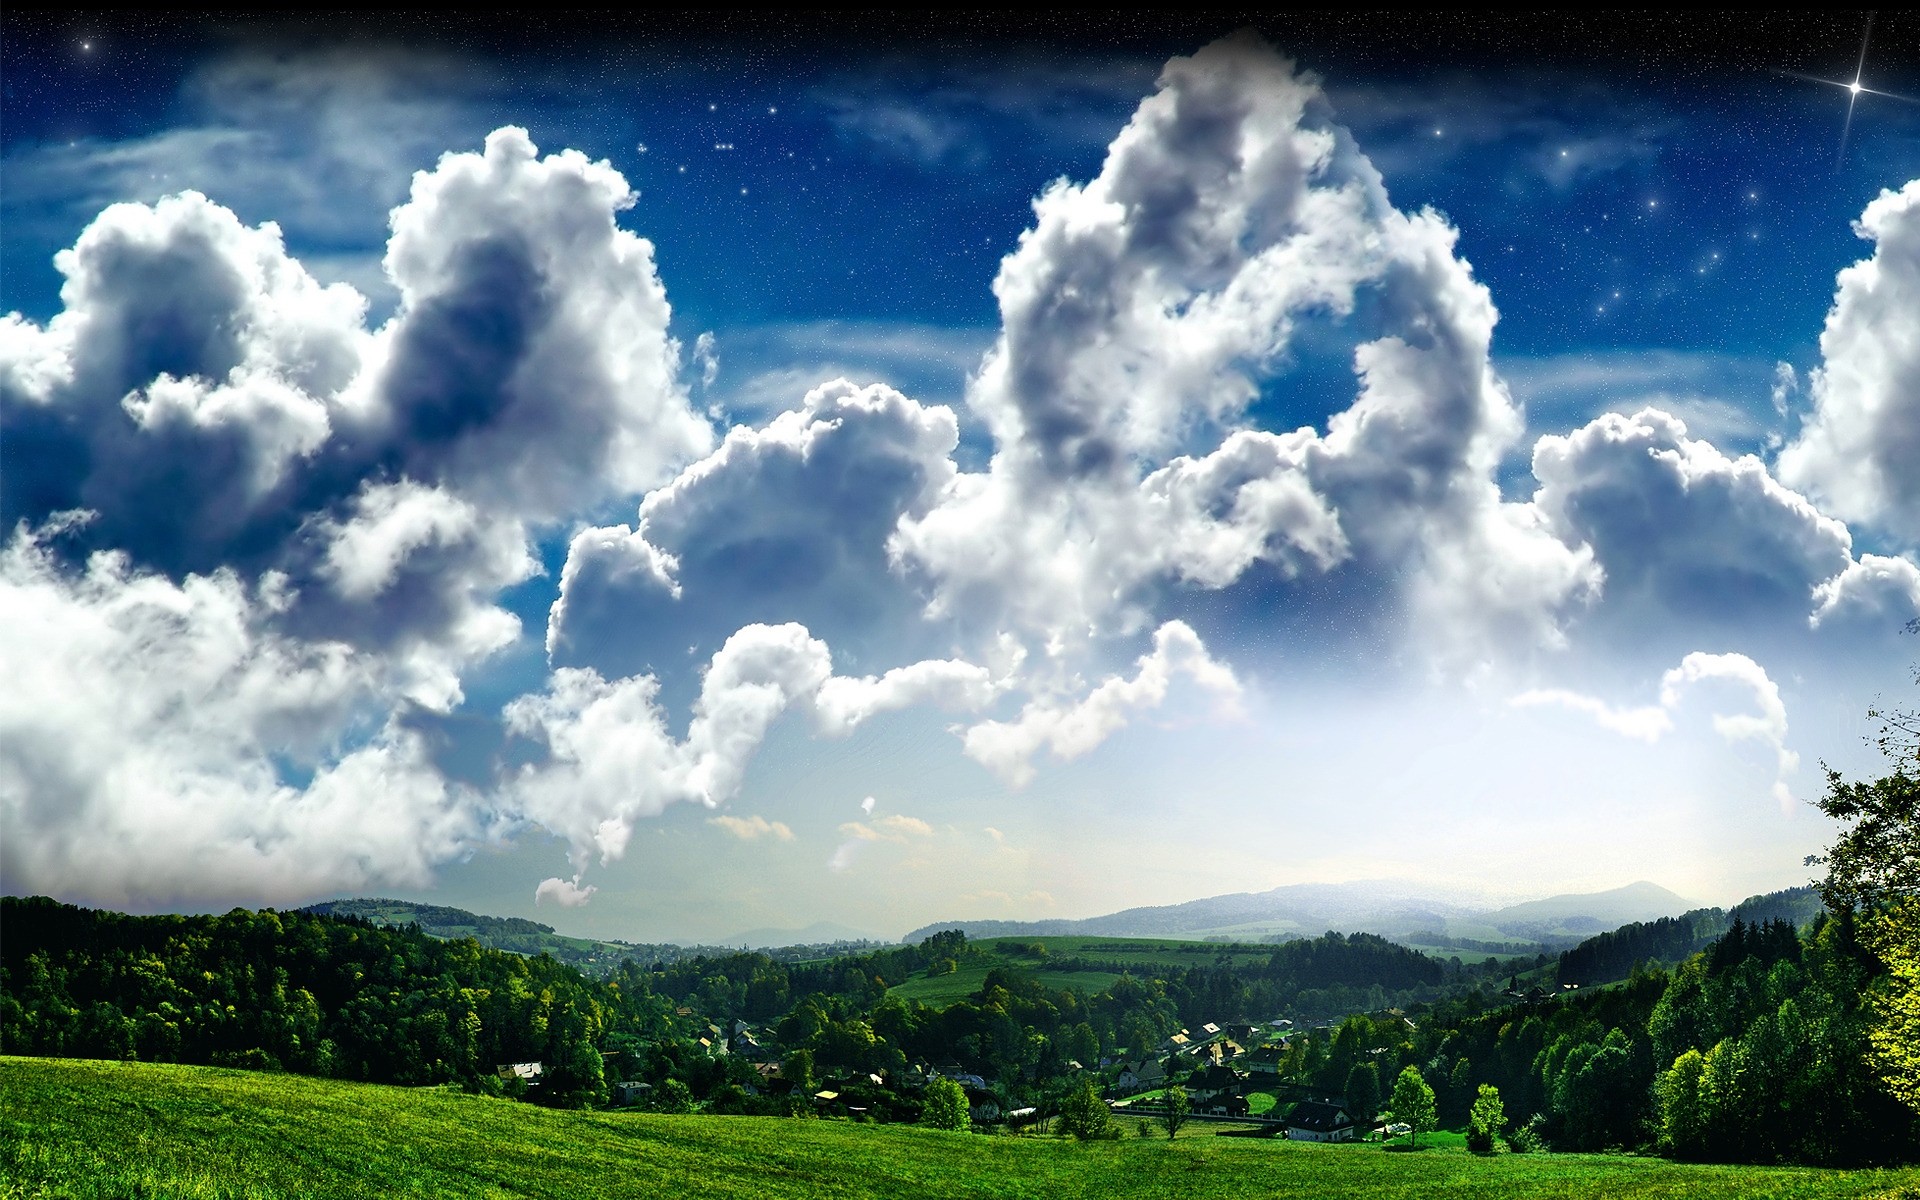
pixel 1390 909
pixel 93 1130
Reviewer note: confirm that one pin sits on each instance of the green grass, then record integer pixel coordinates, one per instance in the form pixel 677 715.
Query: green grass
pixel 938 991
pixel 1141 952
pixel 91 1129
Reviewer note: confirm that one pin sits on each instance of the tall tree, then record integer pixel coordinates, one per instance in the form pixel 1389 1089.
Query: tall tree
pixel 1413 1103
pixel 1875 865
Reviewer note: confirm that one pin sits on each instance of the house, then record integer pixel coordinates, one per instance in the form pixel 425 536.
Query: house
pixel 630 1093
pixel 1210 1029
pixel 1147 1073
pixel 1178 1042
pixel 1229 1105
pixel 528 1071
pixel 1210 1082
pixel 1311 1121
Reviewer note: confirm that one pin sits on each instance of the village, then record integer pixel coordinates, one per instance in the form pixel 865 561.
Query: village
pixel 1231 1074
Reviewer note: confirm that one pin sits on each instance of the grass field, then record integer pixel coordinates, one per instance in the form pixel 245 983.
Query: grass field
pixel 1140 952
pixel 938 991
pixel 91 1129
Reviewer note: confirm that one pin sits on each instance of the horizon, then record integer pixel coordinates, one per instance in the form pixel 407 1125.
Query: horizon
pixel 662 484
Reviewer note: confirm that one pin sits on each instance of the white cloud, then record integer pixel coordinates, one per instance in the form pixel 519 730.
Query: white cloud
pixel 1141 314
pixel 787 522
pixel 1649 723
pixel 894 827
pixel 611 760
pixel 568 893
pixel 1071 729
pixel 749 829
pixel 1857 452
pixel 141 732
pixel 1875 588
pixel 1677 525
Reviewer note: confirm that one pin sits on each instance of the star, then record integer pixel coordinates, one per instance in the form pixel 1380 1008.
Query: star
pixel 1855 89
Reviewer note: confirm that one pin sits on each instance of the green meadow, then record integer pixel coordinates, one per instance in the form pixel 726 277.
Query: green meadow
pixel 83 1129
pixel 1143 955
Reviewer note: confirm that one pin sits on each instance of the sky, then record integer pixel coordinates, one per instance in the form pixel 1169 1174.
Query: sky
pixel 668 479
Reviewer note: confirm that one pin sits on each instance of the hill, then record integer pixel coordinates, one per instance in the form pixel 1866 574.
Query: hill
pixel 1394 910
pixel 1614 954
pixel 514 934
pixel 88 1129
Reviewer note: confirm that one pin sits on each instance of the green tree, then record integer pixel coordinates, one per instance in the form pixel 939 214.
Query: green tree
pixel 945 1107
pixel 1085 1117
pixel 1895 1036
pixel 796 1067
pixel 1485 1119
pixel 1363 1091
pixel 1874 866
pixel 1413 1102
pixel 1682 1128
pixel 1178 1106
pixel 672 1096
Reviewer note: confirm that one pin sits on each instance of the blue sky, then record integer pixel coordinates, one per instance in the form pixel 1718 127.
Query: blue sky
pixel 786 474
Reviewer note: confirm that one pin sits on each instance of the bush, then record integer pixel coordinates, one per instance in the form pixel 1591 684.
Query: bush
pixel 1527 1139
pixel 1085 1117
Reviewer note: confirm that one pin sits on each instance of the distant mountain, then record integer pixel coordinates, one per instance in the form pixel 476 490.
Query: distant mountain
pixel 1389 908
pixel 1589 913
pixel 817 934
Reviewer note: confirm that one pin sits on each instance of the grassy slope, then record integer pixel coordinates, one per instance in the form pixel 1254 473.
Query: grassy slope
pixel 1154 952
pixel 939 991
pixel 91 1129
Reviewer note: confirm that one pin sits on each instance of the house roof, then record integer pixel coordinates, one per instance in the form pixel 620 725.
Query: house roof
pixel 1318 1118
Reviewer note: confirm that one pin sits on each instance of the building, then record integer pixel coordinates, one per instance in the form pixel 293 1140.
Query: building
pixel 1311 1121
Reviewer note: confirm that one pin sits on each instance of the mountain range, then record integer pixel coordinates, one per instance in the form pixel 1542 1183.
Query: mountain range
pixel 1389 908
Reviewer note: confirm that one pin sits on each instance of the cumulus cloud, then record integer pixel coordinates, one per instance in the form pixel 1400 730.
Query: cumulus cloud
pixel 141 732
pixel 1649 723
pixel 1142 315
pixel 749 829
pixel 1069 729
pixel 611 759
pixel 568 893
pixel 789 521
pixel 252 534
pixel 1679 526
pixel 1857 452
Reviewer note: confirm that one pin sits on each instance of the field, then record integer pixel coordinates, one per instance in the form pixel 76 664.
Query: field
pixel 938 991
pixel 1138 952
pixel 94 1129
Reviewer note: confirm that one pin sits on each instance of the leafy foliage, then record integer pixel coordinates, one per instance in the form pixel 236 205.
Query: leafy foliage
pixel 1485 1120
pixel 1413 1103
pixel 945 1107
pixel 1176 1107
pixel 1085 1117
